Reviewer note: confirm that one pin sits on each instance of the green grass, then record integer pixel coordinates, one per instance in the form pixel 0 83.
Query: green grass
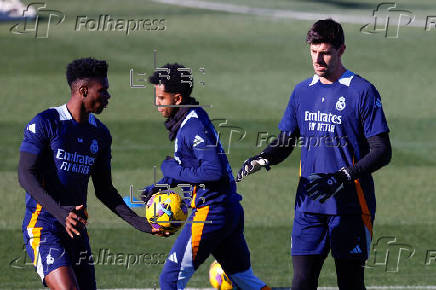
pixel 252 64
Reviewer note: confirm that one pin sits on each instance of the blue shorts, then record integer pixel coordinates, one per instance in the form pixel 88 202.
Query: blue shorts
pixel 223 238
pixel 50 247
pixel 347 236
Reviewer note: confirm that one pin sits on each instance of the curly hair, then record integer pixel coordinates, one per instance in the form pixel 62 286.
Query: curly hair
pixel 326 31
pixel 174 84
pixel 84 68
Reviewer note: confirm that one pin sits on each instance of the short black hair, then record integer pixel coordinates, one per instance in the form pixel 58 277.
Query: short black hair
pixel 326 31
pixel 180 80
pixel 84 68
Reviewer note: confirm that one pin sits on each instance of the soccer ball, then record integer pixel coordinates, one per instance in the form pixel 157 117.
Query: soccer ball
pixel 163 209
pixel 218 279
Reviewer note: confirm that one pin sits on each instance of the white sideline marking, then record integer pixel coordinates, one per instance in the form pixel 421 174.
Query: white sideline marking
pixel 280 13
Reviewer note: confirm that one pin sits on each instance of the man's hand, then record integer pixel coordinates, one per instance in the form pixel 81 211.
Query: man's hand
pixel 322 186
pixel 147 192
pixel 75 221
pixel 252 165
pixel 161 233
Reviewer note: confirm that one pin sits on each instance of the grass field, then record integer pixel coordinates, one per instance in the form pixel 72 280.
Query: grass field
pixel 252 64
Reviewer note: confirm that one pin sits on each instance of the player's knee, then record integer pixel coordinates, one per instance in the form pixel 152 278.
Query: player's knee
pixel 304 281
pixel 62 278
pixel 63 286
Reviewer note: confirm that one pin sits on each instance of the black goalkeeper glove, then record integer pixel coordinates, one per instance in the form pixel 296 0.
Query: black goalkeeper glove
pixel 322 186
pixel 252 165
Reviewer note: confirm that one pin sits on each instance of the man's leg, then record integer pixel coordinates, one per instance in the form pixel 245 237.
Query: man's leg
pixel 350 274
pixel 62 278
pixel 310 247
pixel 350 243
pixel 50 258
pixel 233 253
pixel 306 271
pixel 82 261
pixel 190 250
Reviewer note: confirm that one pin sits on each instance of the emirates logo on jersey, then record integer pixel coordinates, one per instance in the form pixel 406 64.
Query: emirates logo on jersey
pixel 340 104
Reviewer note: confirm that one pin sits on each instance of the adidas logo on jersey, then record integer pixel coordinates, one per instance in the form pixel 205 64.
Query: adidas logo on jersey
pixel 197 140
pixel 32 128
pixel 356 250
pixel 173 257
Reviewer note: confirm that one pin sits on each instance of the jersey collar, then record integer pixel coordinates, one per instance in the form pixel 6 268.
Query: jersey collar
pixel 345 78
pixel 64 114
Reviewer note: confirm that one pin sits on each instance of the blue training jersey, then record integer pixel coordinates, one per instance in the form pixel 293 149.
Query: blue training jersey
pixel 334 121
pixel 201 160
pixel 69 152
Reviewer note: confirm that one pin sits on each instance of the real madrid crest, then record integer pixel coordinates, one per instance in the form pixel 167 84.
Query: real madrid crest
pixel 340 104
pixel 94 146
pixel 378 103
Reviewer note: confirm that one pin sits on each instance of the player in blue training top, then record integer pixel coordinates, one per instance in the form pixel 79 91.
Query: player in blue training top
pixel 336 117
pixel 62 148
pixel 217 221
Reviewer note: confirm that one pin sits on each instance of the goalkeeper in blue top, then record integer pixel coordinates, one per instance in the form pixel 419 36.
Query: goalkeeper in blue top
pixel 217 220
pixel 337 118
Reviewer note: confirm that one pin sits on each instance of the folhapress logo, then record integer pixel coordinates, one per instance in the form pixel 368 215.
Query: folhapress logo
pixel 38 23
pixel 388 19
pixel 110 23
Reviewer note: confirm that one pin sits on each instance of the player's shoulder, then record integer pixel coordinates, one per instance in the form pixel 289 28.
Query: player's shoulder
pixel 54 114
pixel 359 82
pixel 94 121
pixel 47 117
pixel 348 79
pixel 306 86
pixel 306 83
pixel 196 118
pixel 303 88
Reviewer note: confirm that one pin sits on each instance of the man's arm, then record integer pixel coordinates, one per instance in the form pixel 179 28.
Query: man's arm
pixel 107 193
pixel 206 154
pixel 380 154
pixel 323 186
pixel 280 148
pixel 27 176
pixel 277 151
pixel 207 171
